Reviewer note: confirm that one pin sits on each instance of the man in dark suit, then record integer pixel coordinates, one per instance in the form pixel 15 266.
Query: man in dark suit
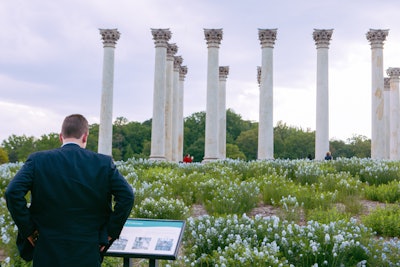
pixel 71 219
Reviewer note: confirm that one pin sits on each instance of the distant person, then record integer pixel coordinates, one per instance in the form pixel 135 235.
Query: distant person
pixel 328 156
pixel 71 220
pixel 187 159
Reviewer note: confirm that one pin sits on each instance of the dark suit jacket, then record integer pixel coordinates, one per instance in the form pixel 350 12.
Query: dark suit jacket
pixel 71 192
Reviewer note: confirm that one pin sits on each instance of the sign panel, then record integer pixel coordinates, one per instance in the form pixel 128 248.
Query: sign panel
pixel 148 238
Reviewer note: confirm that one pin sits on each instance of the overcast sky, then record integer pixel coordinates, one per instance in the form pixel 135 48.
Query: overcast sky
pixel 51 57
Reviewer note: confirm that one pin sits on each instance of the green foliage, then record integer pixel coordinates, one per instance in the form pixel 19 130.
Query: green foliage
pixel 48 141
pixel 292 142
pixel 233 152
pixel 291 210
pixel 232 198
pixel 233 240
pixel 163 208
pixel 247 142
pixel 18 148
pixel 316 200
pixel 384 221
pixel 3 156
pixel 327 216
pixel 194 133
pixel 384 192
pixel 380 172
pixel 133 140
pixel 360 146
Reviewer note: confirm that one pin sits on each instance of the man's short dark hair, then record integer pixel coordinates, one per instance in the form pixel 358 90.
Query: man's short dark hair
pixel 74 126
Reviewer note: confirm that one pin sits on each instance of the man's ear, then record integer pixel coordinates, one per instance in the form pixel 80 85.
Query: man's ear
pixel 61 137
pixel 85 137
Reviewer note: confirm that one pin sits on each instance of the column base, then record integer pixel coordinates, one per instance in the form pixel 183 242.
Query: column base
pixel 157 158
pixel 210 159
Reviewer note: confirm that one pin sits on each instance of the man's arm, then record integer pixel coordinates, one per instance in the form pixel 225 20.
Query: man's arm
pixel 15 197
pixel 124 198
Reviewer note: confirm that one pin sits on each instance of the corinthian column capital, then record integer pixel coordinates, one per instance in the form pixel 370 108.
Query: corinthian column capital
pixel 267 37
pixel 172 49
pixel 386 84
pixel 393 72
pixel 322 37
pixel 110 37
pixel 182 72
pixel 377 37
pixel 161 37
pixel 177 63
pixel 223 72
pixel 213 37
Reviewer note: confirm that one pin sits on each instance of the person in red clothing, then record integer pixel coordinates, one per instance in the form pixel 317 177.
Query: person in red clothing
pixel 187 158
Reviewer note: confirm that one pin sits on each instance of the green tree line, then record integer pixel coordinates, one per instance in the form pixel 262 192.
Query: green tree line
pixel 133 139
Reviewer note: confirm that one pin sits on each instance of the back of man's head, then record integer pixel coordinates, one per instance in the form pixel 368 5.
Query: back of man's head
pixel 74 126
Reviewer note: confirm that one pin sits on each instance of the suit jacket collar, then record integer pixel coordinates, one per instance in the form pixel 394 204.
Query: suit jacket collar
pixel 70 144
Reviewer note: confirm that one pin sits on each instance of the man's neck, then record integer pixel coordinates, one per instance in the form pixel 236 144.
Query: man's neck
pixel 72 141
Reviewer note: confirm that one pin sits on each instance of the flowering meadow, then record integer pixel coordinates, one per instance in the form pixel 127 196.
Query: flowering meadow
pixel 321 218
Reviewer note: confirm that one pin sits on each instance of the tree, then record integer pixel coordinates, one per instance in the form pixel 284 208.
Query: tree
pixel 48 141
pixel 18 148
pixel 196 149
pixel 233 152
pixel 235 125
pixel 93 139
pixel 293 142
pixel 136 134
pixel 3 156
pixel 247 142
pixel 340 149
pixel 360 145
pixel 194 128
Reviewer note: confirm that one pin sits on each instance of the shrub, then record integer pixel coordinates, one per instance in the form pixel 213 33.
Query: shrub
pixel 384 192
pixel 327 216
pixel 163 208
pixel 384 221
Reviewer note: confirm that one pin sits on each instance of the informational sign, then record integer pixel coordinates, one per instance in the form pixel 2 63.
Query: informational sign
pixel 148 238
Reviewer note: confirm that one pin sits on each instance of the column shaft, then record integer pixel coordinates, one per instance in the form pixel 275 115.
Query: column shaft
pixel 213 37
pixel 110 37
pixel 266 126
pixel 161 37
pixel 322 38
pixel 175 109
pixel 394 113
pixel 171 51
pixel 182 72
pixel 386 114
pixel 223 73
pixel 376 38
pixel 322 111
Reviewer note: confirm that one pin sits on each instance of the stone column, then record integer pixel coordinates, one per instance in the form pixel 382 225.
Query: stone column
pixel 376 39
pixel 386 114
pixel 172 49
pixel 223 74
pixel 267 39
pixel 394 74
pixel 182 73
pixel 259 76
pixel 175 108
pixel 322 38
pixel 213 37
pixel 110 38
pixel 161 38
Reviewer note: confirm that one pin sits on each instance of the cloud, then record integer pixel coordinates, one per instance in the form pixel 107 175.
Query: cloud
pixel 27 120
pixel 51 57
